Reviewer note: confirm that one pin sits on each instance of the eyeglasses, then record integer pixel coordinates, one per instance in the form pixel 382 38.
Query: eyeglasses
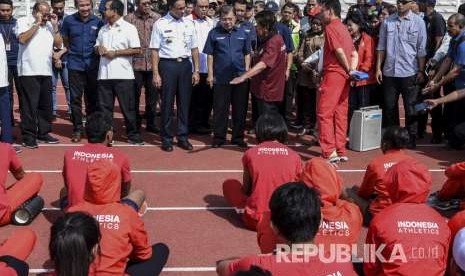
pixel 145 4
pixel 404 2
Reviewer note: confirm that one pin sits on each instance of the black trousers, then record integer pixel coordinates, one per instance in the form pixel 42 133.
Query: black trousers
pixel 289 95
pixel 36 106
pixel 359 96
pixel 13 78
pixel 306 106
pixel 201 104
pixel 152 266
pixel 82 83
pixel 224 96
pixel 407 87
pixel 436 119
pixel 144 79
pixel 176 80
pixel 123 90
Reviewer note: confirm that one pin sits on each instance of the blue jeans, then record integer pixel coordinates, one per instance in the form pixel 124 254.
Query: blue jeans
pixel 5 115
pixel 63 72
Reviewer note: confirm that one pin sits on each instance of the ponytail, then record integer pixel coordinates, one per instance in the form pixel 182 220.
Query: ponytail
pixel 73 238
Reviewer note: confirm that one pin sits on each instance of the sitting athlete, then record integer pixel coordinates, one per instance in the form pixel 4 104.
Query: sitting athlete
pixel 14 251
pixel 452 194
pixel 26 187
pixel 372 196
pixel 124 238
pixel 100 136
pixel 408 226
pixel 342 220
pixel 299 230
pixel 266 167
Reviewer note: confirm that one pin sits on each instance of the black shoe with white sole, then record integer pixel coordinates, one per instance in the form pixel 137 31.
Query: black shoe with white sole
pixel 47 139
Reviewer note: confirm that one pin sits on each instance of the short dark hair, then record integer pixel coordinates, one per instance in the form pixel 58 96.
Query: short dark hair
pixel 266 19
pixel 171 3
pixel 226 9
pixel 290 5
pixel 72 240
pixel 295 211
pixel 118 6
pixel 333 5
pixel 461 9
pixel 7 2
pixel 52 2
pixel 97 127
pixel 271 126
pixel 395 137
pixel 253 271
pixel 76 3
pixel 240 2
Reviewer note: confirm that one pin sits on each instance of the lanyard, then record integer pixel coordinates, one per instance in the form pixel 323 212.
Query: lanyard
pixel 6 33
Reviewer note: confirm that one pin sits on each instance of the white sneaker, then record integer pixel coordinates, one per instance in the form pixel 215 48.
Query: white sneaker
pixel 333 158
pixel 343 158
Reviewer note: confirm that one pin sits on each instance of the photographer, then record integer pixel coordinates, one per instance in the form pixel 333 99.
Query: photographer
pixel 37 37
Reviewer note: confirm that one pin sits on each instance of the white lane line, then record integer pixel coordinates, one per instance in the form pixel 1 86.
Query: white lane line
pixel 203 208
pixel 212 171
pixel 195 145
pixel 166 269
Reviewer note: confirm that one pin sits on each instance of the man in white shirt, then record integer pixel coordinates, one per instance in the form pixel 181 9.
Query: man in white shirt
pixel 202 94
pixel 116 43
pixel 173 43
pixel 37 37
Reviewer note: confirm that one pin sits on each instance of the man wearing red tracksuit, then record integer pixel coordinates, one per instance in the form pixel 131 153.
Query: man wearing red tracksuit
pixel 26 187
pixel 124 238
pixel 14 251
pixel 100 135
pixel 409 229
pixel 339 59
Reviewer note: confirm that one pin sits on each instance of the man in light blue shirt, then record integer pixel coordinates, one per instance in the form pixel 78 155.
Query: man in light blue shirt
pixel 402 49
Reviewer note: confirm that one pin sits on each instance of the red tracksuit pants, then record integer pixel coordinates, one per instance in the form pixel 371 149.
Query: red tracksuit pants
pixel 332 111
pixel 232 191
pixel 19 244
pixel 21 191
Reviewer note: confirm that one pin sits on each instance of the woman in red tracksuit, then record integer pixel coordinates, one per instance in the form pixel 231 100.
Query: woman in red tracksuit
pixel 124 238
pixel 359 95
pixel 266 167
pixel 14 251
pixel 415 234
pixel 341 220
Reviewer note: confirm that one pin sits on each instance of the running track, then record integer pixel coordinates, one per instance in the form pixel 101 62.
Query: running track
pixel 184 192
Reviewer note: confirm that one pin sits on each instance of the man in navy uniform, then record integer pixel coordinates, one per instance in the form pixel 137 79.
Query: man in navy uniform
pixel 173 42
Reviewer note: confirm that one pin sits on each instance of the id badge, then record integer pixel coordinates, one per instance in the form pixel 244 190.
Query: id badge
pixel 7 47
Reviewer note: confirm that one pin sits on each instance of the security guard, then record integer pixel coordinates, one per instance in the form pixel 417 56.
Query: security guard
pixel 173 42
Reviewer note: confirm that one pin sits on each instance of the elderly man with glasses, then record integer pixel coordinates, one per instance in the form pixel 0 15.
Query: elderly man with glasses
pixel 144 18
pixel 402 50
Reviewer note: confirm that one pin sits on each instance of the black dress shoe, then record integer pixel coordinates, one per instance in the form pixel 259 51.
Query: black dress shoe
pixel 240 143
pixel 217 144
pixel 185 145
pixel 167 147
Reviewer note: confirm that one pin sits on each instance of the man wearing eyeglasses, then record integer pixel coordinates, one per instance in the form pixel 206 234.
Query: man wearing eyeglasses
pixel 143 19
pixel 402 49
